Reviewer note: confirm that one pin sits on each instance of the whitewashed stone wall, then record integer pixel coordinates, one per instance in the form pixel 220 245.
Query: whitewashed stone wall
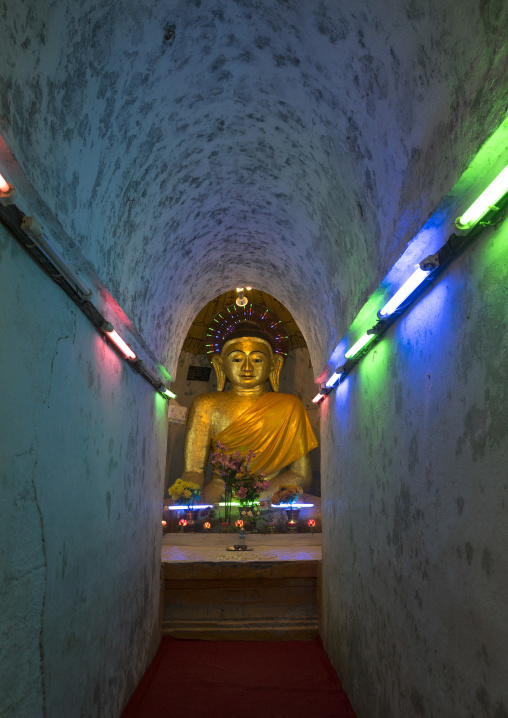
pixel 82 442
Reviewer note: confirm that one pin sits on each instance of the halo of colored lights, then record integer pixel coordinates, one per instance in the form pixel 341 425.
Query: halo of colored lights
pixel 226 321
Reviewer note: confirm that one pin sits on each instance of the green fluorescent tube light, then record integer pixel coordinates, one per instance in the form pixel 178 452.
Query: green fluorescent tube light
pixel 236 503
pixel 363 341
pixel 494 192
pixel 169 394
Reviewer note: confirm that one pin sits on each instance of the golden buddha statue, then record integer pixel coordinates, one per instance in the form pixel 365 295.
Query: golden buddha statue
pixel 248 417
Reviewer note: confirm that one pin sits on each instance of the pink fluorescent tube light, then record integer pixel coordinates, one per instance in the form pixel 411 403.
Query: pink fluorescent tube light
pixel 4 185
pixel 119 342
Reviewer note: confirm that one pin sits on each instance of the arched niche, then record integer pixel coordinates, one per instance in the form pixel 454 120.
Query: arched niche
pixel 194 376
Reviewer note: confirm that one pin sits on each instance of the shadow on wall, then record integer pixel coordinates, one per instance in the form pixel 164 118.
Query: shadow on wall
pixel 296 378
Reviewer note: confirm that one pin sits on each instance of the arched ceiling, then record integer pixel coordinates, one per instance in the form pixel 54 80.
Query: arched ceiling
pixel 291 145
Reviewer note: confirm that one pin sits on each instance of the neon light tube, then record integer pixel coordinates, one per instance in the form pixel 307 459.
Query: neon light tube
pixel 291 506
pixel 333 379
pixel 403 293
pixel 119 342
pixel 187 508
pixel 34 230
pixel 363 341
pixel 168 393
pixel 4 185
pixel 318 398
pixel 485 201
pixel 237 503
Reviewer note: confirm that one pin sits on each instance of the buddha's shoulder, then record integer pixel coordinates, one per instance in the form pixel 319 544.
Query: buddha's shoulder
pixel 214 399
pixel 288 399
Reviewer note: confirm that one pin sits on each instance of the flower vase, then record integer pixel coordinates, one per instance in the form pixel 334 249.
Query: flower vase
pixel 228 497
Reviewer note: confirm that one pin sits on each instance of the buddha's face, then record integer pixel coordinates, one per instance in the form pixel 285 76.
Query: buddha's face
pixel 247 362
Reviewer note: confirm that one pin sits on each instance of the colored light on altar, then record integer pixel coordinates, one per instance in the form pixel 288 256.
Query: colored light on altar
pixel 207 526
pixel 178 507
pixel 297 505
pixel 239 524
pixel 164 523
pixel 311 523
pixel 183 522
pixel 236 503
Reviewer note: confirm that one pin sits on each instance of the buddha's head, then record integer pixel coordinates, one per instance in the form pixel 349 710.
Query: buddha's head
pixel 247 359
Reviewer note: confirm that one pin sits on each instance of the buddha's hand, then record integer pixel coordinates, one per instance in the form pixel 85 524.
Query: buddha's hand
pixel 287 477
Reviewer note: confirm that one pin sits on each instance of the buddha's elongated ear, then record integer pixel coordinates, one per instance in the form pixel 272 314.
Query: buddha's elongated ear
pixel 219 371
pixel 273 377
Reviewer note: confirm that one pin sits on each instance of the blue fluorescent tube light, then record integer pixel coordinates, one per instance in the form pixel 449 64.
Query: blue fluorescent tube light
pixel 334 379
pixel 291 506
pixel 403 293
pixel 187 508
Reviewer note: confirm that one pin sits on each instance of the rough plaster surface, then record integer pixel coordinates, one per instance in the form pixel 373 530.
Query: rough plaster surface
pixel 81 469
pixel 295 146
pixel 415 543
pixel 296 378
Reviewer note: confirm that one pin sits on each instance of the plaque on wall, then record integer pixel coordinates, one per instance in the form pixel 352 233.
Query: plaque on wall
pixel 199 373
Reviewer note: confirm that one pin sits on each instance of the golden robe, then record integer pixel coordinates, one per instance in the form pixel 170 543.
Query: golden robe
pixel 276 428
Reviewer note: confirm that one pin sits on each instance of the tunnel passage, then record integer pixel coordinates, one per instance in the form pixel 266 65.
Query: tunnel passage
pixel 298 147
pixel 289 145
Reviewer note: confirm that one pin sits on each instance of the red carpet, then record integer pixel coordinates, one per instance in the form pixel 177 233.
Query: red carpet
pixel 249 679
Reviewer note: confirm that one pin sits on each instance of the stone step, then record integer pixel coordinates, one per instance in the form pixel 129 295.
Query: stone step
pixel 256 600
pixel 261 629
